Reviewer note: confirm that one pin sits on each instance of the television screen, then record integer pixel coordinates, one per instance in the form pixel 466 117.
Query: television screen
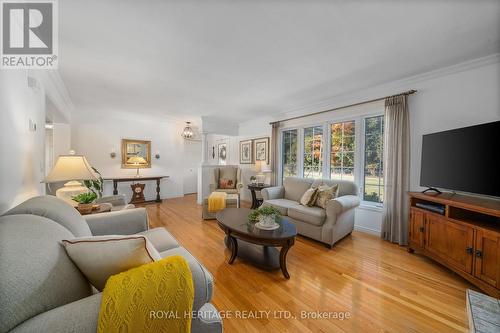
pixel 465 159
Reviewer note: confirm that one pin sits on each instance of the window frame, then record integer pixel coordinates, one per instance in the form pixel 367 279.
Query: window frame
pixel 302 137
pixel 366 203
pixel 359 153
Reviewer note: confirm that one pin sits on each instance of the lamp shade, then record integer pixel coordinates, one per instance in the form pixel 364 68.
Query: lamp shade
pixel 70 167
pixel 137 161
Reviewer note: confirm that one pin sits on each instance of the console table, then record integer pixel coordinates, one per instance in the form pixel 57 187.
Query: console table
pixel 136 197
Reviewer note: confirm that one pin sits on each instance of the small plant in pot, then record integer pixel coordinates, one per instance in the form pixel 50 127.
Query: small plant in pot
pixel 253 180
pixel 85 201
pixel 267 217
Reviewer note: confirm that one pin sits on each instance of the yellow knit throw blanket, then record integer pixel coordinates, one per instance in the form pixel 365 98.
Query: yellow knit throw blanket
pixel 156 297
pixel 217 201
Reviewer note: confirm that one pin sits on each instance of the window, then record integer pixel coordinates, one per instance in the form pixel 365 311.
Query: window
pixel 313 152
pixel 342 150
pixel 373 167
pixel 289 153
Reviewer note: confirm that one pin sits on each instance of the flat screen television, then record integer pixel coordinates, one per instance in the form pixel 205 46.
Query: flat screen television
pixel 464 159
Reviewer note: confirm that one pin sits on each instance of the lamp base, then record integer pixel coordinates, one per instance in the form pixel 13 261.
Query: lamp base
pixel 70 190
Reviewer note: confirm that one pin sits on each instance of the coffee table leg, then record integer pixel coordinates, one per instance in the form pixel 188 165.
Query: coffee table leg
pixel 283 253
pixel 234 248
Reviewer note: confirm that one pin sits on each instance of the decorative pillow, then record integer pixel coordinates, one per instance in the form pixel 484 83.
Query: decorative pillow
pixel 309 197
pixel 99 257
pixel 326 193
pixel 226 183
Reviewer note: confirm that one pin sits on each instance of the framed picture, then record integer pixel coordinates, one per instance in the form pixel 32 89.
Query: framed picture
pixel 261 149
pixel 246 152
pixel 222 153
pixel 136 150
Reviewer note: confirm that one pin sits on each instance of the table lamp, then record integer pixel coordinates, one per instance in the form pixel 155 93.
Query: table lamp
pixel 71 168
pixel 138 162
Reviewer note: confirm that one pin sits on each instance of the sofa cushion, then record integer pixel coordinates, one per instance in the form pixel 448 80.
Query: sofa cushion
pixel 346 187
pixel 100 257
pixel 228 174
pixel 79 316
pixel 311 215
pixel 281 204
pixel 161 239
pixel 56 210
pixel 36 274
pixel 296 187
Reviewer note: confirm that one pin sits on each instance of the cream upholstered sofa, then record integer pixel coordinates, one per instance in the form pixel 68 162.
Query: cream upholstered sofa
pixel 231 173
pixel 325 225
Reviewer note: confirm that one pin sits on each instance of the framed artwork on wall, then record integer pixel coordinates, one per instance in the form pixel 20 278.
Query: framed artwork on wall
pixel 136 150
pixel 222 153
pixel 261 149
pixel 246 152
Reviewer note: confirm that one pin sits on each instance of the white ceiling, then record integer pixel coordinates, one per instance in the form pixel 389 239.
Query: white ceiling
pixel 242 59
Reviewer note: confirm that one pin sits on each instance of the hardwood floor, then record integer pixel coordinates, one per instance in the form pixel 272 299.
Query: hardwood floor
pixel 381 286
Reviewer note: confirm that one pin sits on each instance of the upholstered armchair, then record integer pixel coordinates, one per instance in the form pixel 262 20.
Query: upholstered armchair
pixel 117 202
pixel 227 179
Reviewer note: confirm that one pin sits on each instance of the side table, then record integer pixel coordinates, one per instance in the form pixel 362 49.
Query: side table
pixel 256 187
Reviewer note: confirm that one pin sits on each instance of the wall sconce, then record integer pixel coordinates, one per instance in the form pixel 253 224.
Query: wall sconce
pixel 113 153
pixel 157 155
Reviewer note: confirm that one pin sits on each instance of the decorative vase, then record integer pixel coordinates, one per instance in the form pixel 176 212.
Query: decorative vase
pixel 85 208
pixel 268 221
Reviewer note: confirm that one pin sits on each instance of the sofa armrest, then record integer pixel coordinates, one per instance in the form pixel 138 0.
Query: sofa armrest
pixel 239 186
pixel 115 200
pixel 123 222
pixel 271 193
pixel 341 204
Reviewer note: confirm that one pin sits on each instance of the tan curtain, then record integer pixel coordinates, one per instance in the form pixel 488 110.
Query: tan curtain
pixel 274 153
pixel 396 169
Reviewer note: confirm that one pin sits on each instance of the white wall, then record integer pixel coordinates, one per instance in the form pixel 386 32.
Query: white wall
pixel 61 136
pixel 22 154
pixel 461 95
pixel 95 135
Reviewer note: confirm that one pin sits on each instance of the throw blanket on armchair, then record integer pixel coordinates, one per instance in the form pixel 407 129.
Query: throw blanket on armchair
pixel 217 201
pixel 132 300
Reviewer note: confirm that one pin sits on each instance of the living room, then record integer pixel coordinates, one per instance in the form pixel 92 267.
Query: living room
pixel 271 156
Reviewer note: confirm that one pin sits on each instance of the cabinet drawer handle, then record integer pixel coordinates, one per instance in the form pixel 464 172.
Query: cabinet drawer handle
pixel 421 229
pixel 479 253
pixel 469 250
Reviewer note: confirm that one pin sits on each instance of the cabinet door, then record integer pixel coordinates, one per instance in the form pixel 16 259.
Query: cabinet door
pixel 487 264
pixel 450 241
pixel 417 223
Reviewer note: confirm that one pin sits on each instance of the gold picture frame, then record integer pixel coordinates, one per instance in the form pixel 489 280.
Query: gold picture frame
pixel 132 148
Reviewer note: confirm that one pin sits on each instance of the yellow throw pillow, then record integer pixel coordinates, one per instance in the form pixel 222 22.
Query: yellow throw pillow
pixel 326 193
pixel 309 197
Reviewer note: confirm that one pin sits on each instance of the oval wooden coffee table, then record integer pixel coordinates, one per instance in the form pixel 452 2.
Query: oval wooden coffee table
pixel 234 222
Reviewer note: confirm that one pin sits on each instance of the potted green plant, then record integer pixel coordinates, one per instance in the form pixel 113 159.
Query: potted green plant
pixel 253 180
pixel 95 186
pixel 85 201
pixel 267 217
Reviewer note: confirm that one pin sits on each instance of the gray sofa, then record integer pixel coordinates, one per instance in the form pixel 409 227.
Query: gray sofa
pixel 41 290
pixel 325 225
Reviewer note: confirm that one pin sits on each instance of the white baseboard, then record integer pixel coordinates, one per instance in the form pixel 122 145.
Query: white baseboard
pixel 367 230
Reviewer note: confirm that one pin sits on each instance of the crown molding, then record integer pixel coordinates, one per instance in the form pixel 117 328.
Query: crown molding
pixel 56 91
pixel 387 88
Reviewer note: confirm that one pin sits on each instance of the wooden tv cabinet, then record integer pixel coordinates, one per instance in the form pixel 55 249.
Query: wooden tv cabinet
pixel 465 238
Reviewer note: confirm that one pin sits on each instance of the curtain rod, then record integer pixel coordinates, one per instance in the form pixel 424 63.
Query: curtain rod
pixel 409 92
